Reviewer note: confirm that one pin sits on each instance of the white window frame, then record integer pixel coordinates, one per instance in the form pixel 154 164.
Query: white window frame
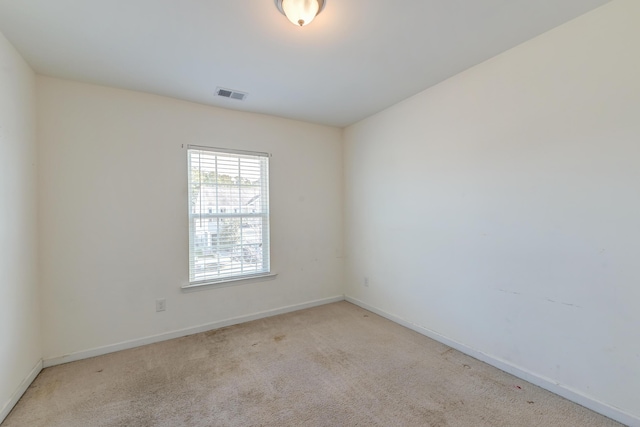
pixel 201 214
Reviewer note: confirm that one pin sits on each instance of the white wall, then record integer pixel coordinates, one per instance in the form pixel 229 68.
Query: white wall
pixel 501 207
pixel 113 213
pixel 20 349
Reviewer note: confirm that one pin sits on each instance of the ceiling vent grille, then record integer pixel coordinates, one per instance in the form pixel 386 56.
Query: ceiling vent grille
pixel 233 94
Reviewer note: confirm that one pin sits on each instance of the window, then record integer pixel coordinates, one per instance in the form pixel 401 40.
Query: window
pixel 228 215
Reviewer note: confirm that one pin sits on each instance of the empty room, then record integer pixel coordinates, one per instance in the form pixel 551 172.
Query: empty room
pixel 319 212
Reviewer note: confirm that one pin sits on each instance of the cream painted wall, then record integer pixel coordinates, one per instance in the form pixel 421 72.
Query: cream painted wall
pixel 501 207
pixel 20 348
pixel 113 212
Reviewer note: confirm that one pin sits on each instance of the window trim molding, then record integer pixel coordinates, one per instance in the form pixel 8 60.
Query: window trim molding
pixel 239 280
pixel 229 150
pixel 223 283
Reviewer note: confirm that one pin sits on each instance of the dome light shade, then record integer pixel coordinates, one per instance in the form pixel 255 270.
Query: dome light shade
pixel 300 12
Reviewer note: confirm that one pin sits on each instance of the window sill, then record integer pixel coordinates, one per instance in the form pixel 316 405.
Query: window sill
pixel 229 282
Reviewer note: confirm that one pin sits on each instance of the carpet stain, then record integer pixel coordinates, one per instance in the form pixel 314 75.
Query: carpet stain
pixel 46 389
pixel 433 418
pixel 332 361
pixel 252 397
pixel 279 338
pixel 214 332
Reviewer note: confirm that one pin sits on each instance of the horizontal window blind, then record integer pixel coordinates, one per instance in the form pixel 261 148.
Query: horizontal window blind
pixel 228 214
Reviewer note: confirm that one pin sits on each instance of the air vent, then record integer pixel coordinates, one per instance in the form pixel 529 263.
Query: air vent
pixel 233 94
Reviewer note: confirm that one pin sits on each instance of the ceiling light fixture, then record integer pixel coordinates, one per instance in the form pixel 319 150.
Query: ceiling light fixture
pixel 300 12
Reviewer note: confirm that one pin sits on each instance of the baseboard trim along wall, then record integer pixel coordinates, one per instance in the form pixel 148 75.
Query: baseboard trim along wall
pixel 99 351
pixel 546 383
pixel 24 385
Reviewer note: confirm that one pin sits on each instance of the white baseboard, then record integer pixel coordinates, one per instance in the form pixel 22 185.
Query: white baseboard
pixel 24 385
pixel 539 380
pixel 99 351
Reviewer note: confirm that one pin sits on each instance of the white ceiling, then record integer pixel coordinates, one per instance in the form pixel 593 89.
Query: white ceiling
pixel 357 58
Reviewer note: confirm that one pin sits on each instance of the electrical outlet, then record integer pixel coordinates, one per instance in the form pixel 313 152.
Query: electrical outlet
pixel 366 282
pixel 161 304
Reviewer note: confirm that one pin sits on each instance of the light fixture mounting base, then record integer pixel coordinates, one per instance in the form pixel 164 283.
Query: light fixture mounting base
pixel 321 4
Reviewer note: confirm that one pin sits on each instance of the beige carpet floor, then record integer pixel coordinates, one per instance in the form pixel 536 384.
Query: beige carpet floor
pixel 335 365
